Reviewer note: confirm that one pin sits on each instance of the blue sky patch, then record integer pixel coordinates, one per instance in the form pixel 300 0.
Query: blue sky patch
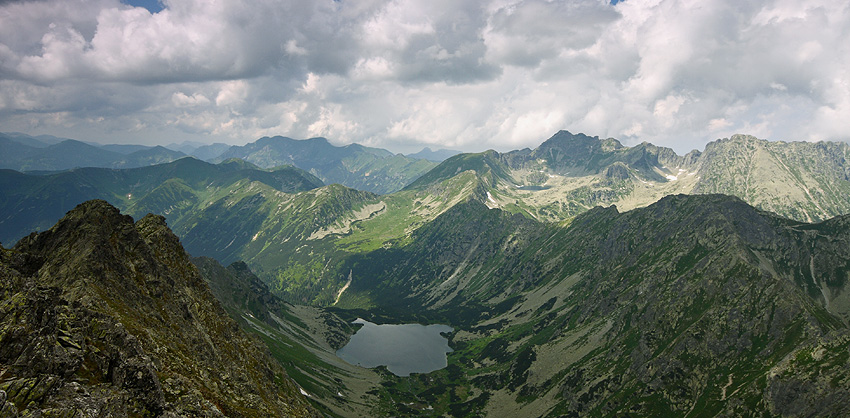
pixel 152 5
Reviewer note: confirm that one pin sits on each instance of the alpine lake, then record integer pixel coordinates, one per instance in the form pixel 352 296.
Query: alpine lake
pixel 404 348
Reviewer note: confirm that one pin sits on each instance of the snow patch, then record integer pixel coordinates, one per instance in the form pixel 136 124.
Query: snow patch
pixel 304 392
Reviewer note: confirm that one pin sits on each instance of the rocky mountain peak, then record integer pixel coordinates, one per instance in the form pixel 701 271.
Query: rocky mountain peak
pixel 567 148
pixel 113 319
pixel 91 220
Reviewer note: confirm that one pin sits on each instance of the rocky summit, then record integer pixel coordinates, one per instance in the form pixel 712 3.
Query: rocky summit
pixel 101 316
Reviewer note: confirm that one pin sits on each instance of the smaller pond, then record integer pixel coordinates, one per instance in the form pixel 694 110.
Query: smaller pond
pixel 404 349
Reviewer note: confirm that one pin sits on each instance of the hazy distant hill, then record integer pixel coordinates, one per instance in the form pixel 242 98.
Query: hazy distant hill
pixel 363 168
pixel 124 148
pixel 24 153
pixel 148 156
pixel 438 156
pixel 200 150
pixel 209 152
pixel 38 141
pixel 64 155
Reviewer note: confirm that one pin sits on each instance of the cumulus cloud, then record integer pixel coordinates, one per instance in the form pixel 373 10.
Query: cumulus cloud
pixel 402 74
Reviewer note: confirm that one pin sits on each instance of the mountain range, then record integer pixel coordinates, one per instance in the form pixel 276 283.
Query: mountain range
pixel 31 154
pixel 370 169
pixel 571 173
pixel 583 277
pixel 294 241
pixel 34 202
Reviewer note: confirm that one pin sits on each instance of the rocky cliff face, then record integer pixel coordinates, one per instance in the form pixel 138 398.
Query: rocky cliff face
pixel 800 180
pixel 101 316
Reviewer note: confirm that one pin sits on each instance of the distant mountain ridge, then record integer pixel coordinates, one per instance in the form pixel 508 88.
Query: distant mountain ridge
pixel 370 169
pixel 17 154
pixel 33 202
pixel 570 173
pixel 438 156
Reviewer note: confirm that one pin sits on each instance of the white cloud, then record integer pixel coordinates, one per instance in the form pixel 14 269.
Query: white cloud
pixel 473 75
pixel 180 99
pixel 232 93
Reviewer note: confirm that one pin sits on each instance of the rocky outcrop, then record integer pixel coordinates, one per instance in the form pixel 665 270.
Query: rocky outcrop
pixel 101 316
pixel 616 172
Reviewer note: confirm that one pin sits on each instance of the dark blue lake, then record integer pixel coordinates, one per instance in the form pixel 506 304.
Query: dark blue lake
pixel 404 349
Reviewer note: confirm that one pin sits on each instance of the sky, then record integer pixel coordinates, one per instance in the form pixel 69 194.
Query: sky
pixel 403 74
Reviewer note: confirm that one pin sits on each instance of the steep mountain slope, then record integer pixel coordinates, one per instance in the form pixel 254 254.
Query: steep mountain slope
pixel 801 180
pixel 104 317
pixel 303 339
pixel 363 168
pixel 296 242
pixel 488 165
pixel 697 305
